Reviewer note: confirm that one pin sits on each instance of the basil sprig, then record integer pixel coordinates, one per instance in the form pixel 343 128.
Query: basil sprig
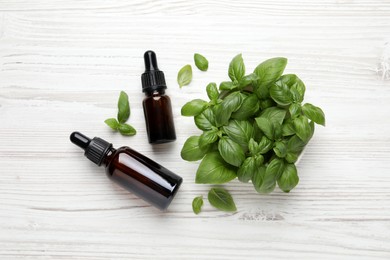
pixel 254 128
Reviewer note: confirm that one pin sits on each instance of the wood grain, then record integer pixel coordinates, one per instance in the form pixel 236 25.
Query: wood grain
pixel 62 66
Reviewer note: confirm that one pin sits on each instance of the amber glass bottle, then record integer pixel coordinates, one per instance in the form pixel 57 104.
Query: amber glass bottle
pixel 132 170
pixel 157 105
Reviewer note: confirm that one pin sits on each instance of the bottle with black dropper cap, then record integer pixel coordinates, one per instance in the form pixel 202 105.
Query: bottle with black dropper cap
pixel 132 170
pixel 157 106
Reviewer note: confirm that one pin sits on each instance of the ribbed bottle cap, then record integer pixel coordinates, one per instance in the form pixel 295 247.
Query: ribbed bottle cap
pixel 153 78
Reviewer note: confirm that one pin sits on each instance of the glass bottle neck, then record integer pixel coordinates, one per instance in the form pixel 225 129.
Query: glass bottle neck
pixel 108 156
pixel 155 93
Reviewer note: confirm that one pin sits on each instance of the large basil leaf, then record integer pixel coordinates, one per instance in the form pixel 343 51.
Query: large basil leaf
pixel 270 70
pixel 221 199
pixel 194 107
pixel 274 114
pixel 239 131
pixel 314 113
pixel 214 170
pixel 205 120
pixel 246 170
pixel 250 106
pixel 289 178
pixel 231 151
pixel 191 150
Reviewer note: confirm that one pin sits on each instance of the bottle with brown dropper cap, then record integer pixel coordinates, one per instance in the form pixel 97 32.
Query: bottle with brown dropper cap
pixel 132 170
pixel 157 105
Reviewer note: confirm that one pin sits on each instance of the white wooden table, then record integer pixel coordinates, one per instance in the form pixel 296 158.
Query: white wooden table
pixel 63 64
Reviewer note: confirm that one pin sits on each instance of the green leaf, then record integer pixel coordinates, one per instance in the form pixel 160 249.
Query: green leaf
pixel 295 144
pixel 223 111
pixel 280 149
pixel 197 204
pixel 295 110
pixel 265 145
pixel 201 62
pixel 266 126
pixel 126 129
pixel 314 113
pixel 249 107
pixel 123 107
pixel 191 151
pixel 289 178
pixel 231 151
pixel 112 122
pixel 205 120
pixel 221 199
pixel 212 91
pixel 239 131
pixel 246 170
pixel 281 94
pixel 302 128
pixel 227 85
pixel 288 128
pixel 267 103
pixel 194 107
pixel 257 179
pixel 237 68
pixel 291 157
pixel 253 147
pixel 295 85
pixel 270 70
pixel 214 170
pixel 274 114
pixel 247 80
pixel 184 76
pixel 274 170
pixel 207 138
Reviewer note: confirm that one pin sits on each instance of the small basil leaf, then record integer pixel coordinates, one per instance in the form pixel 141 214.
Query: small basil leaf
pixel 266 103
pixel 259 160
pixel 274 170
pixel 112 122
pixel 197 204
pixel 265 145
pixel 249 107
pixel 227 85
pixel 239 131
pixel 126 129
pixel 246 170
pixel 295 110
pixel 289 178
pixel 208 137
pixel 212 91
pixel 314 113
pixel 274 114
pixel 191 151
pixel 237 68
pixel 214 170
pixel 302 128
pixel 270 70
pixel 266 126
pixel 223 111
pixel 257 178
pixel 280 149
pixel 288 128
pixel 247 80
pixel 201 62
pixel 291 157
pixel 296 86
pixel 221 199
pixel 295 144
pixel 281 94
pixel 205 120
pixel 231 152
pixel 123 107
pixel 253 147
pixel 194 107
pixel 184 77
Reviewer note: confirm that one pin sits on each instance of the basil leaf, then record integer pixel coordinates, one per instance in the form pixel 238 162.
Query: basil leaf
pixel 239 131
pixel 295 85
pixel 288 128
pixel 257 178
pixel 197 204
pixel 237 68
pixel 191 151
pixel 212 91
pixel 126 129
pixel 194 107
pixel 246 170
pixel 289 178
pixel 223 111
pixel 201 62
pixel 208 137
pixel 274 170
pixel 281 94
pixel 291 157
pixel 267 103
pixel 314 113
pixel 226 85
pixel 295 144
pixel 112 122
pixel 214 170
pixel 265 145
pixel 261 90
pixel 247 80
pixel 205 120
pixel 231 152
pixel 123 107
pixel 184 76
pixel 249 107
pixel 280 149
pixel 259 160
pixel 253 147
pixel 302 128
pixel 274 114
pixel 270 70
pixel 221 199
pixel 295 110
pixel 266 126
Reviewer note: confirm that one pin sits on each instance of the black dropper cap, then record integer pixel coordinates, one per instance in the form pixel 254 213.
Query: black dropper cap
pixel 152 79
pixel 95 149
